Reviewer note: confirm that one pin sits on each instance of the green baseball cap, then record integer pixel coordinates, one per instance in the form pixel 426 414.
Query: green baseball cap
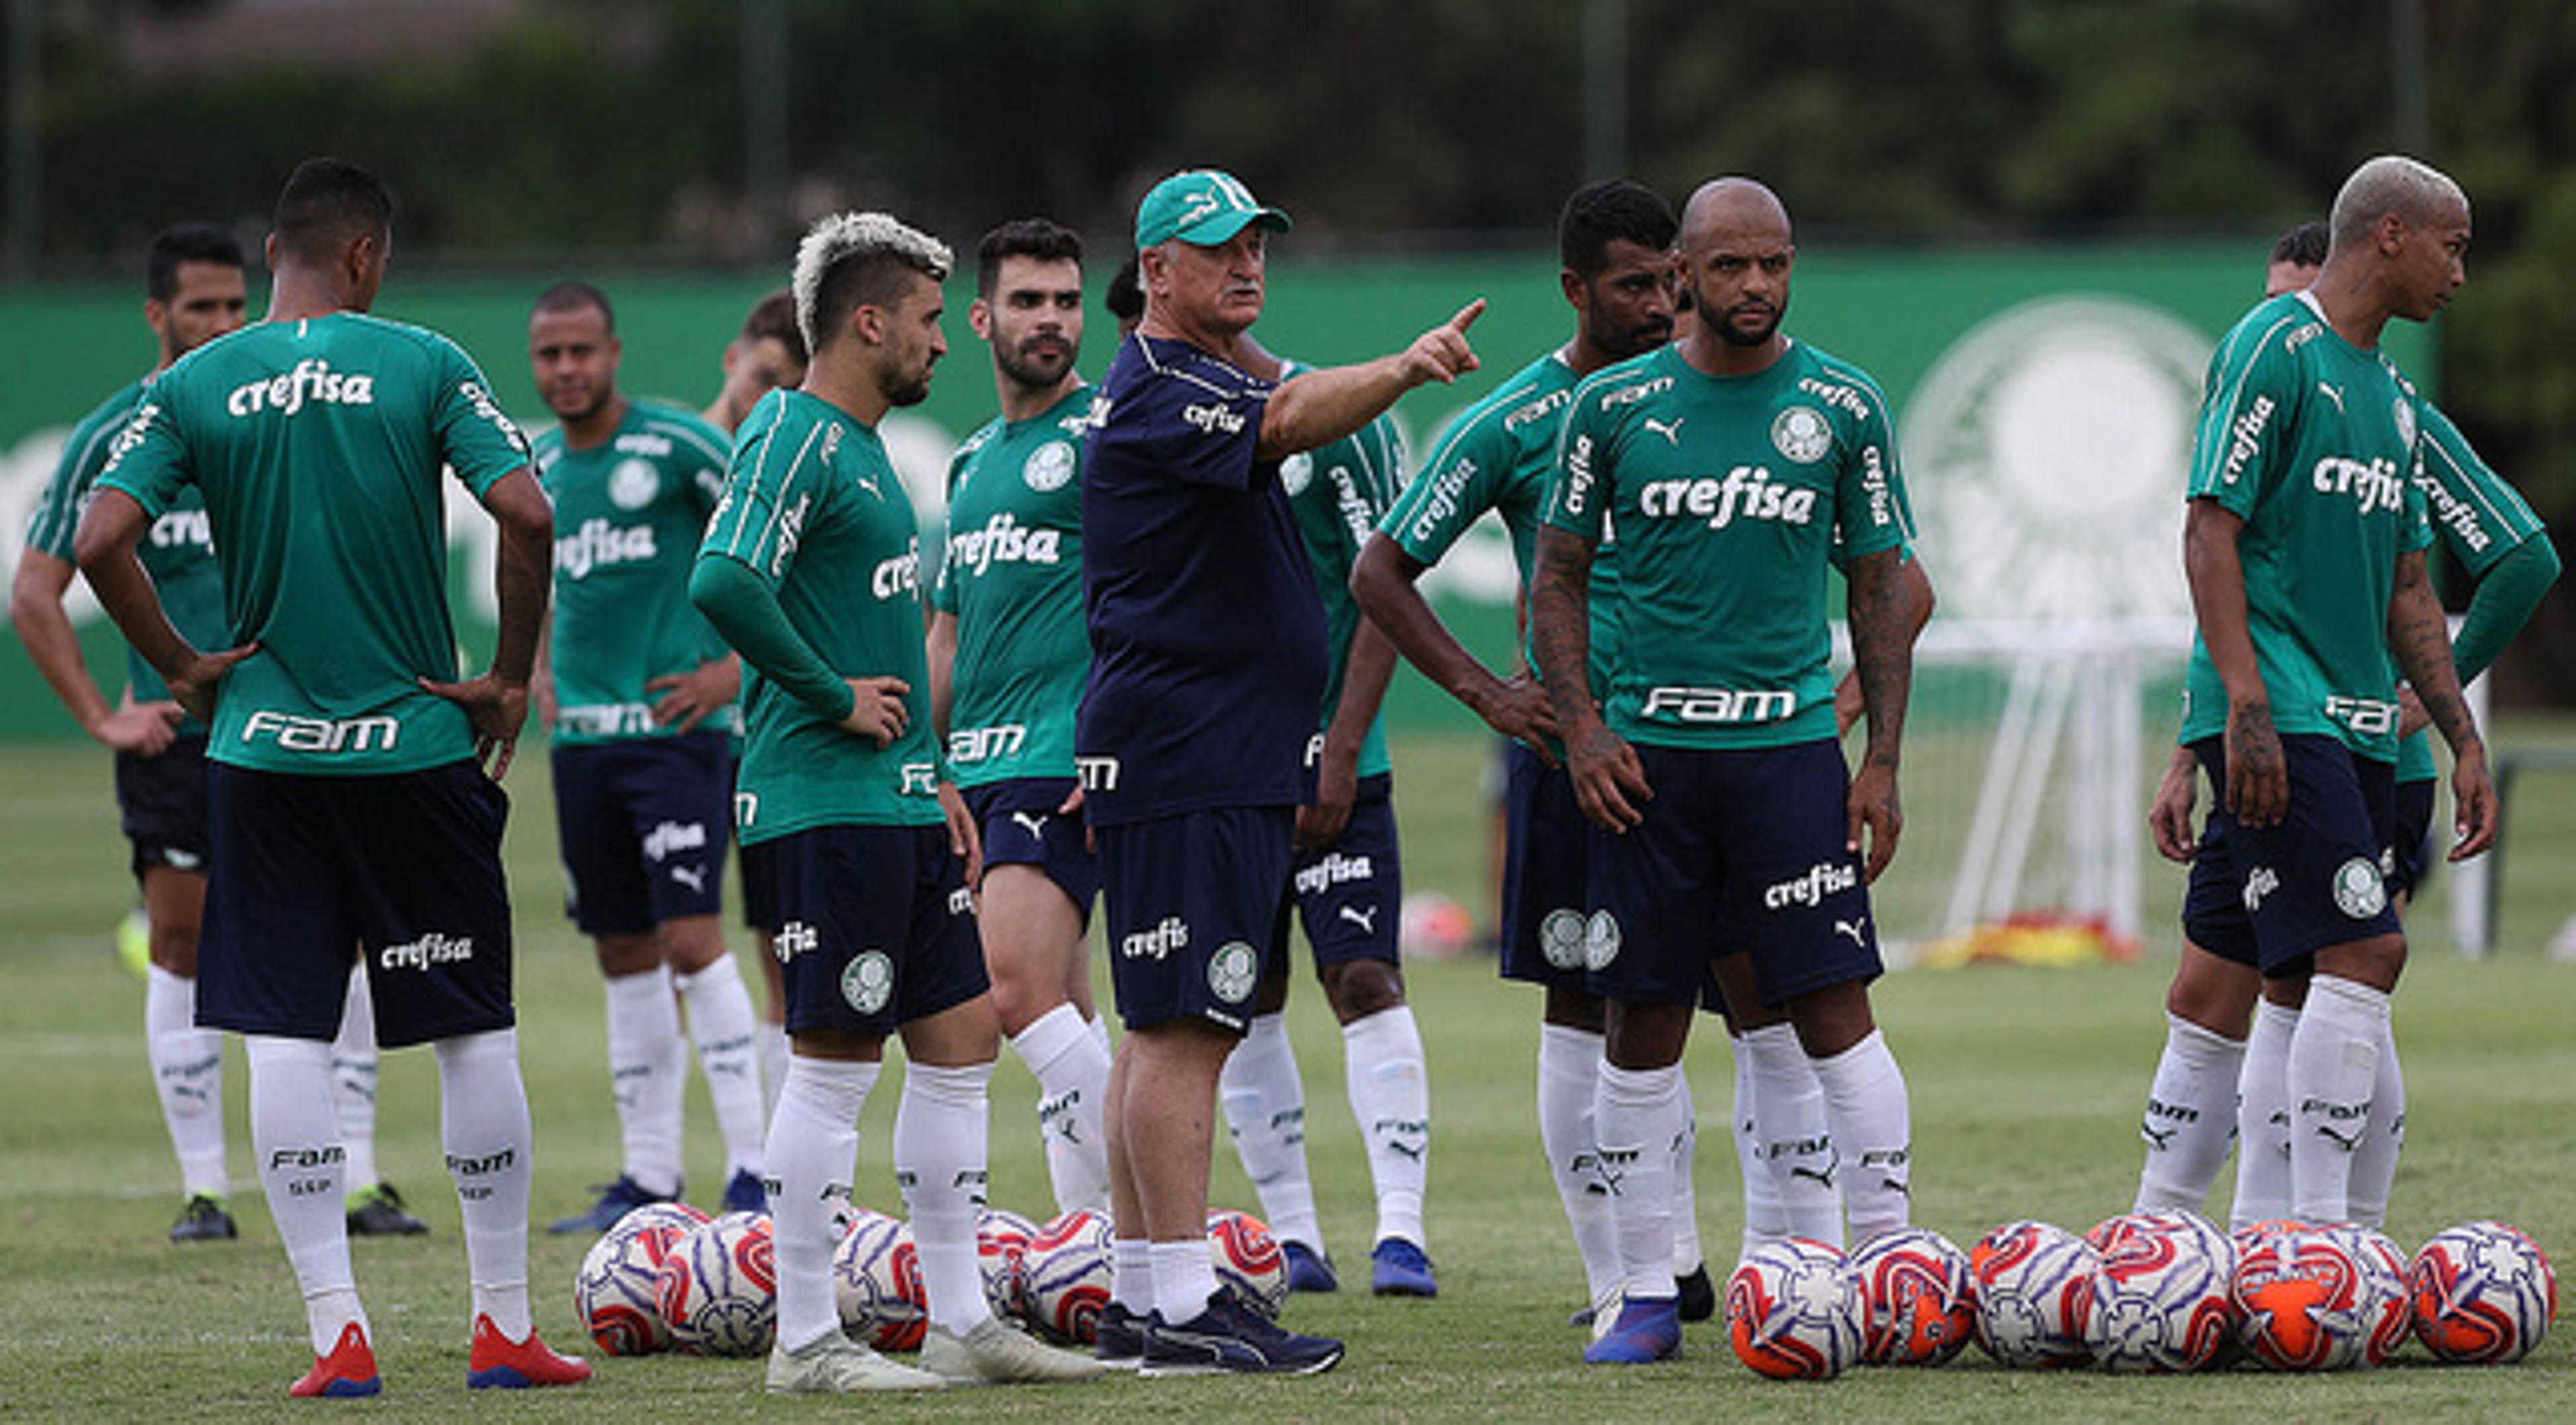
pixel 1202 207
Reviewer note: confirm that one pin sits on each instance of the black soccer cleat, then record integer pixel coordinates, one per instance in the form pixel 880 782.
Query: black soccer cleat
pixel 1698 1294
pixel 376 1210
pixel 204 1218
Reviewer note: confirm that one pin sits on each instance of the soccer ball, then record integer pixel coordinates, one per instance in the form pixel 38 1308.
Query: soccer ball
pixel 2112 1231
pixel 1001 1254
pixel 2387 1321
pixel 719 1287
pixel 617 1294
pixel 876 1284
pixel 1067 1276
pixel 675 1217
pixel 1917 1305
pixel 1793 1311
pixel 2482 1293
pixel 1248 1260
pixel 2300 1294
pixel 2160 1301
pixel 2034 1288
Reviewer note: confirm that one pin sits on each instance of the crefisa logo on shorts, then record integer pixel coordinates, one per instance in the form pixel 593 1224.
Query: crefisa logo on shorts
pixel 430 949
pixel 867 982
pixel 1823 879
pixel 1233 971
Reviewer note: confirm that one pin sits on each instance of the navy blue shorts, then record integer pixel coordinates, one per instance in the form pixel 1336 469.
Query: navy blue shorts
pixel 161 806
pixel 759 885
pixel 1020 825
pixel 878 928
pixel 1739 851
pixel 1545 873
pixel 403 869
pixel 642 826
pixel 2415 853
pixel 2273 897
pixel 1350 895
pixel 1188 899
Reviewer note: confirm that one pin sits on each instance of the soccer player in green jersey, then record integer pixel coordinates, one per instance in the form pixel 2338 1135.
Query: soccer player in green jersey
pixel 811 570
pixel 194 293
pixel 1008 655
pixel 1738 467
pixel 2216 1082
pixel 347 798
pixel 639 695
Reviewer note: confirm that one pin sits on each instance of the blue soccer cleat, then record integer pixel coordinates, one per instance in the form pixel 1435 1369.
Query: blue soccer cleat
pixel 1229 1338
pixel 743 1193
pixel 1648 1330
pixel 1399 1268
pixel 1308 1269
pixel 615 1201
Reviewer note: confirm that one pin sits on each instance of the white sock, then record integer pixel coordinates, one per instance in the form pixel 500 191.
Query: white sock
pixel 2191 1116
pixel 1390 1092
pixel 1795 1142
pixel 1569 1084
pixel 1871 1121
pixel 1072 1070
pixel 2263 1119
pixel 1265 1108
pixel 773 1067
pixel 939 1163
pixel 1131 1274
pixel 1639 1112
pixel 296 1140
pixel 727 1032
pixel 188 1073
pixel 1766 1217
pixel 483 1124
pixel 1184 1272
pixel 812 1154
pixel 2334 1063
pixel 1684 1187
pixel 646 1059
pixel 2374 1163
pixel 353 1079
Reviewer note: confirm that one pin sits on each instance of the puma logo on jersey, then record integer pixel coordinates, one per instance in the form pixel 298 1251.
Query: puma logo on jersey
pixel 1671 430
pixel 2333 395
pixel 1366 920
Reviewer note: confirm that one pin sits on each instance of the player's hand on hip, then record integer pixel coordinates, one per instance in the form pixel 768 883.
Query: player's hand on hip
pixel 2169 815
pixel 1609 782
pixel 1072 806
pixel 687 698
pixel 1871 807
pixel 876 709
pixel 496 709
pixel 195 687
pixel 1442 353
pixel 2477 813
pixel 145 729
pixel 2258 772
pixel 1523 714
pixel 964 838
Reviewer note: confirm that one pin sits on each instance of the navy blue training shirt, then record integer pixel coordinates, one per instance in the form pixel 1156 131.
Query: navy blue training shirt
pixel 1207 633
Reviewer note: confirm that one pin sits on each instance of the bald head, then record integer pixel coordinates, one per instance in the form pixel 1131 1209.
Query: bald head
pixel 1736 256
pixel 2391 186
pixel 1733 207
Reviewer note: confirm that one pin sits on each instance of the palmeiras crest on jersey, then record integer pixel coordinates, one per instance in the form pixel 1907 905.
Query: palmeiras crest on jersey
pixel 1800 433
pixel 1048 467
pixel 633 484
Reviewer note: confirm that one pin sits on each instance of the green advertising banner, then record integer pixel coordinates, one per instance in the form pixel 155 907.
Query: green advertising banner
pixel 2044 397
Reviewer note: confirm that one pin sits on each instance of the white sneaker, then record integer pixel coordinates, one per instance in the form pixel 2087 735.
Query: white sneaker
pixel 833 1364
pixel 994 1353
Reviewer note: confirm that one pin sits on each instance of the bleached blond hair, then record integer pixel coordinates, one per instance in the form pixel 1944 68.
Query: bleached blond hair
pixel 865 245
pixel 2418 193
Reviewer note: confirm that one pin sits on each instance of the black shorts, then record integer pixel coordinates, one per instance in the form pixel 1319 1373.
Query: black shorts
pixel 642 825
pixel 1350 895
pixel 402 869
pixel 161 806
pixel 1020 825
pixel 1545 873
pixel 759 885
pixel 878 929
pixel 1188 900
pixel 2415 855
pixel 1739 851
pixel 2272 897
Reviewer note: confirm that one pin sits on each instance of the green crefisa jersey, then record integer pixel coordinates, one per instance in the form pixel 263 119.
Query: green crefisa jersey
pixel 629 513
pixel 1733 497
pixel 814 509
pixel 1012 575
pixel 319 445
pixel 2313 442
pixel 178 551
pixel 1337 493
pixel 2479 517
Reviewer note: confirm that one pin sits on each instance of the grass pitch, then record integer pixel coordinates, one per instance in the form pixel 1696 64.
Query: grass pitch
pixel 2026 1086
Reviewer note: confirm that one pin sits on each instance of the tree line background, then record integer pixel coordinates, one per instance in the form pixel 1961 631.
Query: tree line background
pixel 706 131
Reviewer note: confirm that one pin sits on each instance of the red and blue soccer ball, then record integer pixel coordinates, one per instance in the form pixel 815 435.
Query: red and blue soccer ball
pixel 1917 1298
pixel 2386 1321
pixel 2303 1297
pixel 1067 1276
pixel 2160 1293
pixel 719 1287
pixel 2034 1286
pixel 1793 1311
pixel 1001 1254
pixel 2482 1293
pixel 617 1294
pixel 1248 1260
pixel 876 1283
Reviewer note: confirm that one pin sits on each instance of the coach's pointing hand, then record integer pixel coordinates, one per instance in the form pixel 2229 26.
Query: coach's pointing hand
pixel 1442 353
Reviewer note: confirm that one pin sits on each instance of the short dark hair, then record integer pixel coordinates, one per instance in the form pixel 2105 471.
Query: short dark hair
pixel 328 201
pixel 2304 245
pixel 1023 237
pixel 573 296
pixel 774 317
pixel 1602 213
pixel 1126 295
pixel 185 243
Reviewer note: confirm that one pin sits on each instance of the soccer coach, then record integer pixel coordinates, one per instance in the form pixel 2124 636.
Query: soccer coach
pixel 1196 738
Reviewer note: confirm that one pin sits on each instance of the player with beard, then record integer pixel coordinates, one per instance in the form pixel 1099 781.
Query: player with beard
pixel 638 694
pixel 1008 655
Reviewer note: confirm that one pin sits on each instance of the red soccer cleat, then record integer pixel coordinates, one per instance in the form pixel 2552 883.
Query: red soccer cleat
pixel 349 1370
pixel 499 1363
